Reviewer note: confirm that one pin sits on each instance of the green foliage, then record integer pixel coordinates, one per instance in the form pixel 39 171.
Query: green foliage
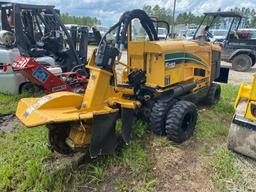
pixel 159 12
pixel 139 129
pixel 136 158
pixel 248 13
pixel 96 173
pixel 188 18
pixel 224 167
pixel 79 20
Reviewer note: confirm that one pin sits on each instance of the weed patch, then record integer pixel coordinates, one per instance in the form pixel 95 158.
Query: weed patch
pixel 224 167
pixel 21 158
pixel 8 103
pixel 207 130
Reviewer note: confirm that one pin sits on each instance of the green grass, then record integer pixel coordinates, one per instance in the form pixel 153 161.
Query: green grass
pixel 21 158
pixel 96 173
pixel 22 166
pixel 207 130
pixel 132 162
pixel 137 162
pixel 213 122
pixel 224 167
pixel 22 154
pixel 228 96
pixel 8 103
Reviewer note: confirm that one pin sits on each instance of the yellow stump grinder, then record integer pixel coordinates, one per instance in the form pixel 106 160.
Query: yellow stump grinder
pixel 160 80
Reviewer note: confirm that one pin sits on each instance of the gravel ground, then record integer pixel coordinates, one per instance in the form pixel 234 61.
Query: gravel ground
pixel 237 78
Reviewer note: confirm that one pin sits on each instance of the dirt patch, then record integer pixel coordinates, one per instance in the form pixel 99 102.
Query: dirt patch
pixel 58 163
pixel 182 168
pixel 8 122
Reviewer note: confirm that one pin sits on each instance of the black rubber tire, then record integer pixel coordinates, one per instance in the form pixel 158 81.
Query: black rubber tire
pixel 181 121
pixel 242 62
pixel 213 95
pixel 158 115
pixel 57 135
pixel 29 88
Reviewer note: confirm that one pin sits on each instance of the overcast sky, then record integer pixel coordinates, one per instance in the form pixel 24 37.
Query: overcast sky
pixel 108 11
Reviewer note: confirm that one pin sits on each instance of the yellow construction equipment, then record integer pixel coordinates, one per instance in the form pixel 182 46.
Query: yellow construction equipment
pixel 242 132
pixel 160 80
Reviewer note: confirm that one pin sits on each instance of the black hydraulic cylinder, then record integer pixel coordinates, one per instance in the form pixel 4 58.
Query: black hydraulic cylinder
pixel 73 32
pixel 182 89
pixel 83 43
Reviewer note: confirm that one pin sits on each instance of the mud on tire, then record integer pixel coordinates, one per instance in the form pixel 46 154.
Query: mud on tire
pixel 181 121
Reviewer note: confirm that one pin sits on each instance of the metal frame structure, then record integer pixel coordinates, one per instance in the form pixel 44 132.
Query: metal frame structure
pixel 220 14
pixel 27 17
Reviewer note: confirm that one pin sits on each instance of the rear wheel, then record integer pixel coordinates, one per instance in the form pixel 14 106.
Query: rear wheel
pixel 82 72
pixel 58 133
pixel 181 121
pixel 29 88
pixel 213 95
pixel 242 62
pixel 158 115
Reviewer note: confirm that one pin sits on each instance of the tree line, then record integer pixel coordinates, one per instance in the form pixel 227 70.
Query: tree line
pixel 79 20
pixel 164 14
pixel 190 18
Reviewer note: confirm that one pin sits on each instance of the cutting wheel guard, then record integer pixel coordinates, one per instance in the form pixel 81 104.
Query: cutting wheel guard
pixel 104 139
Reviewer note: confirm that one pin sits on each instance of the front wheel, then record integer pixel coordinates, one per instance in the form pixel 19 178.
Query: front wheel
pixel 181 121
pixel 213 95
pixel 57 135
pixel 158 115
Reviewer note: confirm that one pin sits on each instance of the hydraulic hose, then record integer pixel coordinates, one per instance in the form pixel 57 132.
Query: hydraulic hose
pixel 123 23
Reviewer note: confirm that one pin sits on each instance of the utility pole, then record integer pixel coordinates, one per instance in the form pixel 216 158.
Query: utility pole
pixel 173 18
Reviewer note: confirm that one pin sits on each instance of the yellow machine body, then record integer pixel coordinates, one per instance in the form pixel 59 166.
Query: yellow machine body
pixel 247 93
pixel 172 61
pixel 100 98
pixel 242 131
pixel 167 65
